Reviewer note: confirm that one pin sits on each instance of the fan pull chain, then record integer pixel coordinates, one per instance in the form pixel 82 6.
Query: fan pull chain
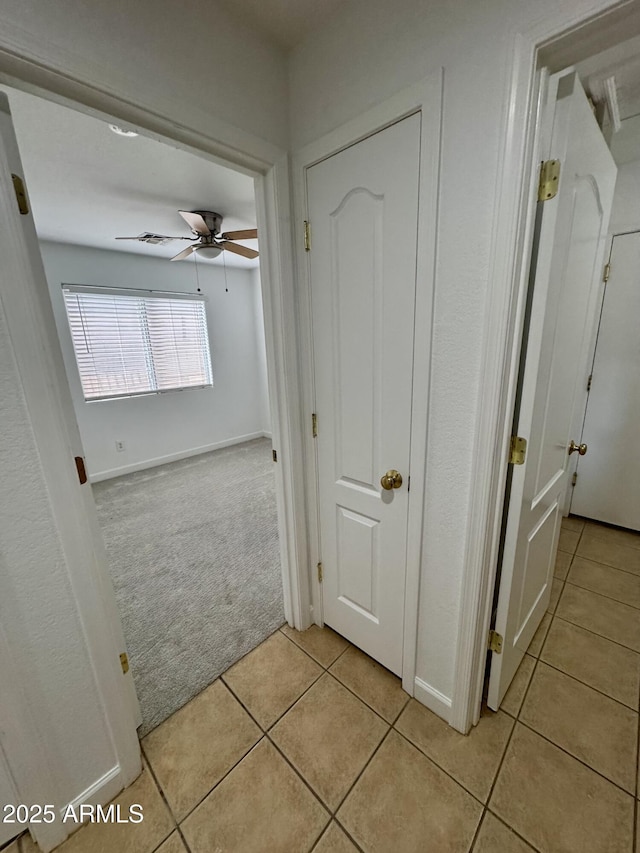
pixel 195 258
pixel 224 261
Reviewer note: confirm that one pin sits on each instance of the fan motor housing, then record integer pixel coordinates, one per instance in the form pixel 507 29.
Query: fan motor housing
pixel 213 220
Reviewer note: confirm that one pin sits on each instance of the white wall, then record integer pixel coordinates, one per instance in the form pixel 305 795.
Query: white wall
pixel 625 215
pixel 159 428
pixel 191 62
pixel 364 55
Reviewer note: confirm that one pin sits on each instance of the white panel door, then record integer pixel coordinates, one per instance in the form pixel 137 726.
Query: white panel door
pixel 570 253
pixel 608 484
pixel 363 209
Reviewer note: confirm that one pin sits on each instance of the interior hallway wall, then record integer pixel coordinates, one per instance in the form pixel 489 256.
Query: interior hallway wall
pixel 196 64
pixel 159 428
pixel 625 214
pixel 360 58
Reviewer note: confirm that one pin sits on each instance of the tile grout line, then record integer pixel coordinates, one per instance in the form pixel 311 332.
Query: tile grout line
pixel 266 734
pixel 163 796
pixel 607 565
pixel 440 768
pixel 211 790
pixel 595 633
pixel 634 830
pixel 564 583
pixel 284 713
pixel 524 699
pixel 578 625
pixel 603 594
pixel 206 687
pixel 327 808
pixel 575 758
pixel 508 743
pixel 359 775
pixel 327 669
pixel 477 831
pixel 342 829
pixel 302 649
pixel 585 684
pixel 497 774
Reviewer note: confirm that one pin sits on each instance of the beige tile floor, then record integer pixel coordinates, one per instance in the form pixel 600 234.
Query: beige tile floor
pixel 307 744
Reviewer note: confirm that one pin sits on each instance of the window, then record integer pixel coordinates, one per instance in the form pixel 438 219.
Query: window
pixel 130 342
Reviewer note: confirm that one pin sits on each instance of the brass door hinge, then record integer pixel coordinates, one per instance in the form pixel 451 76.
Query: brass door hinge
pixel 574 479
pixel 495 642
pixel 314 425
pixel 606 273
pixel 307 236
pixel 124 663
pixel 274 454
pixel 21 194
pixel 549 178
pixel 320 573
pixel 517 450
pixel 589 381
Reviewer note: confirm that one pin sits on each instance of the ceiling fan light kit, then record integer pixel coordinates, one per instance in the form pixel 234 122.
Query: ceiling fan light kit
pixel 208 251
pixel 208 241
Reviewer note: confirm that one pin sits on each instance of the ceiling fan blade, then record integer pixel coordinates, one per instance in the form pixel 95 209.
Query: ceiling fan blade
pixel 249 234
pixel 184 253
pixel 155 239
pixel 195 222
pixel 245 251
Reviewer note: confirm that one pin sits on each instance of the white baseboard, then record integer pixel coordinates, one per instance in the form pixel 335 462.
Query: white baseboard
pixel 173 457
pixel 433 699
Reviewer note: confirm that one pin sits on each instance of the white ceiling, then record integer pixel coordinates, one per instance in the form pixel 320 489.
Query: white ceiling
pixel 87 185
pixel 285 22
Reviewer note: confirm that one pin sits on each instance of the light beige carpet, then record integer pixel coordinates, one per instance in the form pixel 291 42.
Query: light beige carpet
pixel 193 550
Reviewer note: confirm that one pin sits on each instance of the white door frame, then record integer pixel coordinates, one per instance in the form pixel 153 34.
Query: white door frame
pixel 556 42
pixel 424 97
pixel 269 166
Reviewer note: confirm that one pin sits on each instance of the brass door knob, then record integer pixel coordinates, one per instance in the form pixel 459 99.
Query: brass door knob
pixel 580 448
pixel 391 480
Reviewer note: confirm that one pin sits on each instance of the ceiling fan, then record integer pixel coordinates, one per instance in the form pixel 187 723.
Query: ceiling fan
pixel 207 239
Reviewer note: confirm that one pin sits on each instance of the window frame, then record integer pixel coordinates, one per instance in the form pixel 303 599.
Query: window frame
pixel 142 294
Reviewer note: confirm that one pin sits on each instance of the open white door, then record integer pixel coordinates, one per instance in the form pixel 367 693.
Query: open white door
pixel 35 347
pixel 363 208
pixel 608 482
pixel 571 233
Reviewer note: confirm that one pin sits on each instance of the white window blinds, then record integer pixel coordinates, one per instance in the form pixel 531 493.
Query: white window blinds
pixel 130 342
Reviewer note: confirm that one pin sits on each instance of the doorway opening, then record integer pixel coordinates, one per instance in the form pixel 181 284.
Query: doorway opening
pixel 167 368
pixel 564 649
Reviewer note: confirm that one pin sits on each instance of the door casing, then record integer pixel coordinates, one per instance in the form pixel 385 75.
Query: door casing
pixel 554 43
pixel 425 97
